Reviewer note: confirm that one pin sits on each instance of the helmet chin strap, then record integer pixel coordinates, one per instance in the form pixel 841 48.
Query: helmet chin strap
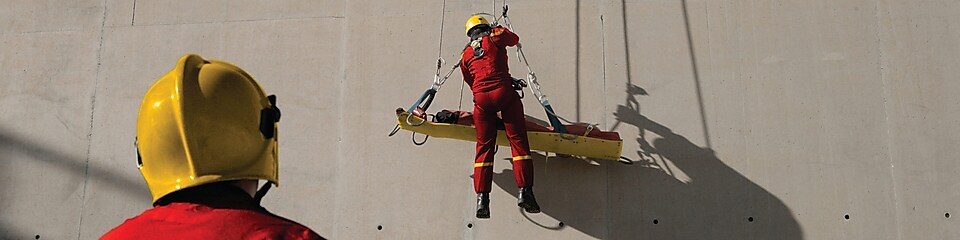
pixel 262 192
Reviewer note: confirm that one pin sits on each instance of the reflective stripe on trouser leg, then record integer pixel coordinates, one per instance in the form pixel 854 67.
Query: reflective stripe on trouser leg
pixel 514 124
pixel 483 164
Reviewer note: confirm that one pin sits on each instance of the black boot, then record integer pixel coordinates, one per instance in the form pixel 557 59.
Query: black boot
pixel 483 205
pixel 527 201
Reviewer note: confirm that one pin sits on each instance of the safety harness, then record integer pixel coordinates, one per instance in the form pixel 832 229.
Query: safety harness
pixel 476 43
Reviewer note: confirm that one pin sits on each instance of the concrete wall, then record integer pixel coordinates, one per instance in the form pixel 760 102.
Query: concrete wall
pixel 747 119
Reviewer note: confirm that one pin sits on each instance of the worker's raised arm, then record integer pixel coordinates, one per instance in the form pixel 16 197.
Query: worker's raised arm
pixel 504 37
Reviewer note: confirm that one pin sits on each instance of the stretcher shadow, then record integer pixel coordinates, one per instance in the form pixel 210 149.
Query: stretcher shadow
pixel 678 190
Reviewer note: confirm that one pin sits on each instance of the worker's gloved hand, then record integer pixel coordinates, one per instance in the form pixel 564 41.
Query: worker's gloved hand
pixel 518 84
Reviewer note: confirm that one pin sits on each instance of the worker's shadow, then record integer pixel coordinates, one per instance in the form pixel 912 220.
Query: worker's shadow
pixel 678 190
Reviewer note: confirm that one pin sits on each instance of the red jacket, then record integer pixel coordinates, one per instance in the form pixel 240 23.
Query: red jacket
pixel 489 71
pixel 225 214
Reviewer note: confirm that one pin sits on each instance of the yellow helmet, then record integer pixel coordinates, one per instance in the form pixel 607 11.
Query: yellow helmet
pixel 205 121
pixel 475 20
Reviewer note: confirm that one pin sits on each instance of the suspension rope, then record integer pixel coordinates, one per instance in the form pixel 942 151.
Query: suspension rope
pixel 532 76
pixel 460 103
pixel 437 82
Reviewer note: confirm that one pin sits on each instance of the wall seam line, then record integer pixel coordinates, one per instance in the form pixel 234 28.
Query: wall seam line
pixel 93 108
pixel 344 44
pixel 133 18
pixel 237 21
pixel 886 113
pixel 41 32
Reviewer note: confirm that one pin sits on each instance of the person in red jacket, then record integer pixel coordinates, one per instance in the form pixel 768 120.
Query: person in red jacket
pixel 484 68
pixel 220 210
pixel 206 135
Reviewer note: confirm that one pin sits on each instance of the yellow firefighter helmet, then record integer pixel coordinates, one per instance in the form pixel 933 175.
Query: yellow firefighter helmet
pixel 475 20
pixel 206 121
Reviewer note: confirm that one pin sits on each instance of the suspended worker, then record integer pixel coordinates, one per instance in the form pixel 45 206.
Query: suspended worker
pixel 206 135
pixel 484 68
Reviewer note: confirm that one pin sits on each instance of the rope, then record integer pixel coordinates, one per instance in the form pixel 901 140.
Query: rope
pixel 437 82
pixel 534 84
pixel 443 14
pixel 460 103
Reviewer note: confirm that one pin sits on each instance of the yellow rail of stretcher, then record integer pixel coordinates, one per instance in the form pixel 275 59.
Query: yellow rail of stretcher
pixel 543 141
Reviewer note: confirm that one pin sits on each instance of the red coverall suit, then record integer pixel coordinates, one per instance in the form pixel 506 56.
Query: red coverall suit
pixel 489 78
pixel 210 212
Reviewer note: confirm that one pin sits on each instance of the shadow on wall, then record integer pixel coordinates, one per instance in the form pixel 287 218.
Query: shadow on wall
pixel 8 233
pixel 75 165
pixel 678 190
pixel 18 153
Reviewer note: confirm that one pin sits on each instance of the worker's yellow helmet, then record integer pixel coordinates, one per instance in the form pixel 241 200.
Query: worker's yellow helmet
pixel 475 20
pixel 205 121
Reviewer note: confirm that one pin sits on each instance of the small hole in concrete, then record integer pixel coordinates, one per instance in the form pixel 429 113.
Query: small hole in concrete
pixel 947 215
pixel 379 227
pixel 36 237
pixel 561 224
pixel 846 216
pixel 750 219
pixel 655 221
pixel 469 225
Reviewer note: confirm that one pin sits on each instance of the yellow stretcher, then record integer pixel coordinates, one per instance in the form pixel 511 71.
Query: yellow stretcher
pixel 543 141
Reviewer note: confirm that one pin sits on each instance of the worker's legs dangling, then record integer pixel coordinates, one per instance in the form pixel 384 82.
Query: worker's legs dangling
pixel 484 119
pixel 514 121
pixel 511 110
pixel 486 105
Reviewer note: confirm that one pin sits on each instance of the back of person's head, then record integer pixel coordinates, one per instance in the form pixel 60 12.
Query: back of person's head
pixel 206 121
pixel 479 31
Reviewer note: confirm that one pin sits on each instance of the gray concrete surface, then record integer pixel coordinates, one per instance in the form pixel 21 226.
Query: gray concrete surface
pixel 746 119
